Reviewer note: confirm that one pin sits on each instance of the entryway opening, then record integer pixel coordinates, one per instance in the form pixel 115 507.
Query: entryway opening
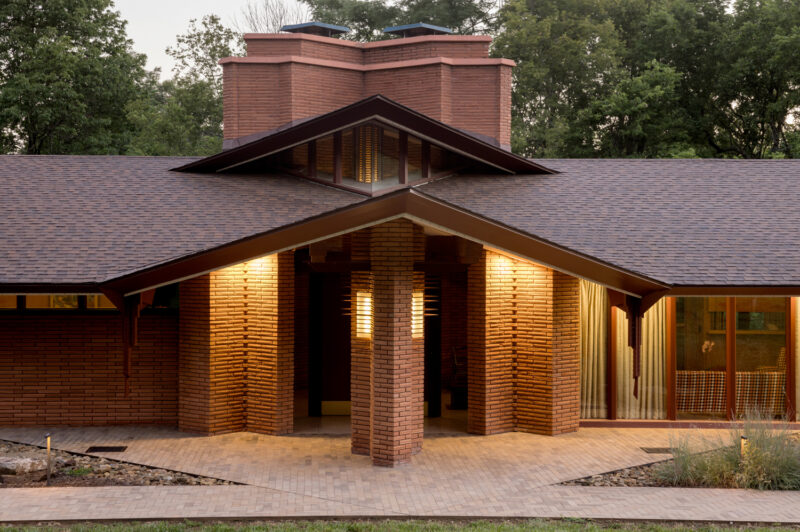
pixel 323 337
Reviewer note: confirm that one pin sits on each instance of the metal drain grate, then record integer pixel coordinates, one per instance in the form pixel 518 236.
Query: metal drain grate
pixel 656 450
pixel 106 449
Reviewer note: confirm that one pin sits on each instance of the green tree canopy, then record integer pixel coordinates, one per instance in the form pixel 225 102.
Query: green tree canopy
pixel 183 115
pixel 368 17
pixel 67 71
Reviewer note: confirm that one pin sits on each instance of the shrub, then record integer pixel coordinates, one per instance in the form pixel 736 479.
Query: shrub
pixel 771 461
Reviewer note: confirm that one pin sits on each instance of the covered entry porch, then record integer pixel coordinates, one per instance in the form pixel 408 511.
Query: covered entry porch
pixel 262 346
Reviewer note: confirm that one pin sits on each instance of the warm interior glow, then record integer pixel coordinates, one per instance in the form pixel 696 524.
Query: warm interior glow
pixel 363 315
pixel 369 154
pixel 417 314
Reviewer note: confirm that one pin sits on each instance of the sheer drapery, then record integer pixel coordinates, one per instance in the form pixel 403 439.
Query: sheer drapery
pixel 652 401
pixel 594 331
pixel 796 325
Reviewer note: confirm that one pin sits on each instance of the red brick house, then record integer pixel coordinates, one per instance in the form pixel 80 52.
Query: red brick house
pixel 366 245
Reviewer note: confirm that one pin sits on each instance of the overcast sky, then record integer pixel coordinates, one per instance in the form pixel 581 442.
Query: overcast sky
pixel 153 24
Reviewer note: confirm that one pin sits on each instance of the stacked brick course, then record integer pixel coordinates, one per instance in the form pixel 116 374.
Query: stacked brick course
pixel 524 349
pixel 67 370
pixel 387 416
pixel 237 348
pixel 290 77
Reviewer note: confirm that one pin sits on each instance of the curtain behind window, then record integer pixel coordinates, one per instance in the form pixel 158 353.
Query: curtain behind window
pixel 652 401
pixel 594 330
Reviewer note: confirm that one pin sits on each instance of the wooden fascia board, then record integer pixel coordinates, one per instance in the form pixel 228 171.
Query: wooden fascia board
pixel 734 290
pixel 402 204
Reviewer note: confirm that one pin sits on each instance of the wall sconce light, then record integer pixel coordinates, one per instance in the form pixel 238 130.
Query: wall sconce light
pixel 418 314
pixel 363 315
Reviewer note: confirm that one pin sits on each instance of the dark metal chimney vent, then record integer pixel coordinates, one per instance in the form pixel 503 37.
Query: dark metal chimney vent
pixel 316 28
pixel 414 30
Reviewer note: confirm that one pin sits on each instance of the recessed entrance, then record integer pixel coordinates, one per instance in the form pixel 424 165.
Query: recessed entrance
pixel 323 344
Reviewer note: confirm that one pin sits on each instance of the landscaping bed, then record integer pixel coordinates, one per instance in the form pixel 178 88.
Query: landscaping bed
pixel 760 454
pixel 25 466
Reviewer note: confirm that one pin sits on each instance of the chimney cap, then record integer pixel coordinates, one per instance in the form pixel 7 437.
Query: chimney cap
pixel 316 28
pixel 418 28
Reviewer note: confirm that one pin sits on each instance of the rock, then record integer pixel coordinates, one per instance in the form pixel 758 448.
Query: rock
pixel 19 465
pixel 103 468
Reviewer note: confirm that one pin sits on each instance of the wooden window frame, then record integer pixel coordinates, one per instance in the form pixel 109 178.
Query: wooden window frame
pixel 730 358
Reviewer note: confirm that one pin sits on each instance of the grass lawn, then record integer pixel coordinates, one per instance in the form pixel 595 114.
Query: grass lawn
pixel 565 525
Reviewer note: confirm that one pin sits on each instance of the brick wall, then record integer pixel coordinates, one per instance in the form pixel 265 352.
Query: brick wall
pixel 237 348
pixel 67 370
pixel 524 349
pixel 289 77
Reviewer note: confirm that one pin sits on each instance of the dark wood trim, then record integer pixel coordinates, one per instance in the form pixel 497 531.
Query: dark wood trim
pixel 393 115
pixel 671 424
pixel 402 165
pixel 732 291
pixel 611 364
pixel 20 302
pixel 405 203
pixel 671 362
pixel 337 157
pixel 730 357
pixel 312 159
pixel 791 376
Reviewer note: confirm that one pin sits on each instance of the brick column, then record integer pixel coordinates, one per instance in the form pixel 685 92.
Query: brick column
pixel 269 343
pixel 489 343
pixel 211 358
pixel 396 365
pixel 524 349
pixel 236 348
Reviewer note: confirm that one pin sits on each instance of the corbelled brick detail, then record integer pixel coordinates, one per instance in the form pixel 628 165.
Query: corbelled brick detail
pixel 236 348
pixel 524 349
pixel 291 77
pixel 67 370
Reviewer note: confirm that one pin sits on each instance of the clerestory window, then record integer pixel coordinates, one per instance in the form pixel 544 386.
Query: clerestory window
pixel 369 158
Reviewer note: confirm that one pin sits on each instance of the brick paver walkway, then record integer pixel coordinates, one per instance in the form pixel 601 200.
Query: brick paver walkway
pixel 505 475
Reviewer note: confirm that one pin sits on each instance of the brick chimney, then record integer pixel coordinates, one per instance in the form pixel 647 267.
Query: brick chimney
pixel 290 76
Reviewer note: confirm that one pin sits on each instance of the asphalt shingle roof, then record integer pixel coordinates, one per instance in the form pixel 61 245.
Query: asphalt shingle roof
pixel 683 222
pixel 84 219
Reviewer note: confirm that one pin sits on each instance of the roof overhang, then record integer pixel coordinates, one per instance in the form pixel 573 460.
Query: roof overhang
pixel 372 108
pixel 407 203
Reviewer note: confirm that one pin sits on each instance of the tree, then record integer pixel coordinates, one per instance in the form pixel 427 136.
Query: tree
pixel 641 117
pixel 183 116
pixel 67 71
pixel 198 51
pixel 567 54
pixel 759 86
pixel 367 18
pixel 269 16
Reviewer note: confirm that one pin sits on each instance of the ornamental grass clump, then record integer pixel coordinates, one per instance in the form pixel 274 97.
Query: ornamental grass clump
pixel 770 460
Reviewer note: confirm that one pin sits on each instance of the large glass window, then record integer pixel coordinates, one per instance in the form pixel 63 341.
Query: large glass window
pixel 700 357
pixel 51 301
pixel 8 302
pixel 761 355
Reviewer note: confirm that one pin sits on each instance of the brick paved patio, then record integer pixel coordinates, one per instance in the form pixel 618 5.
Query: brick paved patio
pixel 511 474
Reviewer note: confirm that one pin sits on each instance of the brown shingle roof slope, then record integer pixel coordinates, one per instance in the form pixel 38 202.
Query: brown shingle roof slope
pixel 85 219
pixel 683 222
